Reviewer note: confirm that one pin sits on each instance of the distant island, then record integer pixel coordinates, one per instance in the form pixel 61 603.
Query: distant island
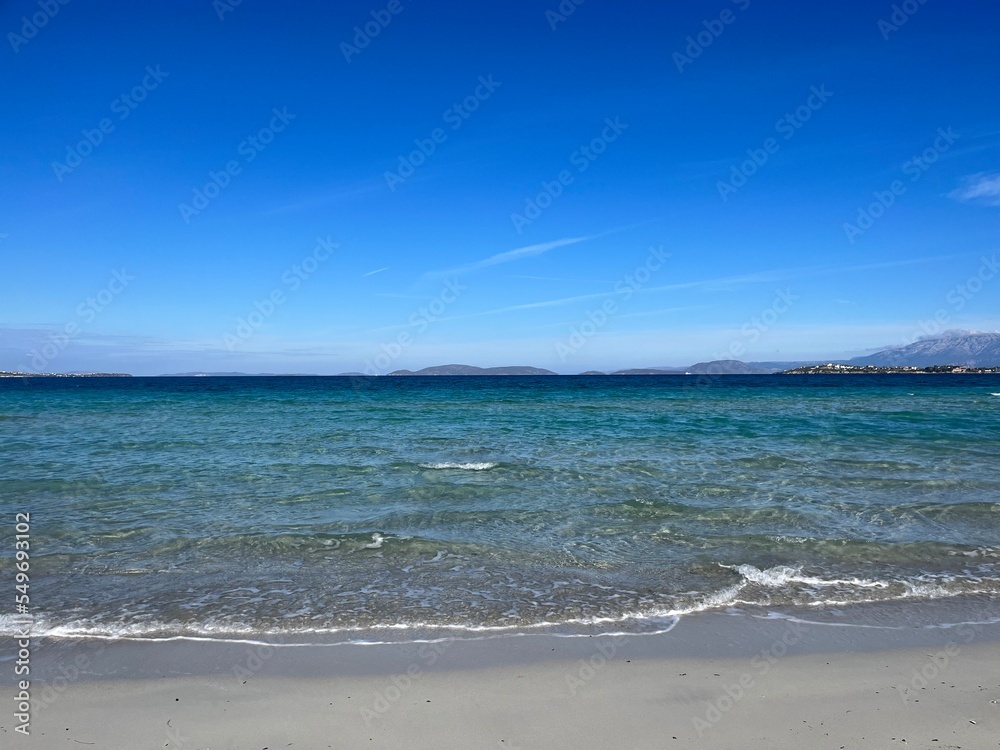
pixel 18 374
pixel 471 370
pixel 200 374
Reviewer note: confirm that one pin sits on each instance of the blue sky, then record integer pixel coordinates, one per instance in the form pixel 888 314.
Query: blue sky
pixel 635 184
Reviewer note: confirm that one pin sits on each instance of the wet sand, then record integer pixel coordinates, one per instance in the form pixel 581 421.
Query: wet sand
pixel 714 681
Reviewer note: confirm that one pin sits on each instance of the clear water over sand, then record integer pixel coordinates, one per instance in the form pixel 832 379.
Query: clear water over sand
pixel 227 506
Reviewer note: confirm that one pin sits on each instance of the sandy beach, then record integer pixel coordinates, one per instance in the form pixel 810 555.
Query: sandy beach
pixel 714 681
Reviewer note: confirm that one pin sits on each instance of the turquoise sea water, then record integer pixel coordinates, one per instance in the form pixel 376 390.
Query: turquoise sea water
pixel 186 506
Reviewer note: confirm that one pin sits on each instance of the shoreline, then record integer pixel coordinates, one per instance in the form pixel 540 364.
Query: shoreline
pixel 715 680
pixel 733 633
pixel 927 613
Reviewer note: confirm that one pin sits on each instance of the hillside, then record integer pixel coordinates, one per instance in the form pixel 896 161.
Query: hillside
pixel 950 348
pixel 725 367
pixel 471 370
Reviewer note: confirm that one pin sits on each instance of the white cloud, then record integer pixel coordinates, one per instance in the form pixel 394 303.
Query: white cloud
pixel 983 187
pixel 508 256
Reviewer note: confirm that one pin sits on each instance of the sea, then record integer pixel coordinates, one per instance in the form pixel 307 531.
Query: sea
pixel 371 509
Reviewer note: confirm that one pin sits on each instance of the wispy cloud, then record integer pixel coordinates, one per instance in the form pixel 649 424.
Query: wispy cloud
pixel 558 278
pixel 377 270
pixel 787 274
pixel 721 283
pixel 500 310
pixel 662 311
pixel 508 256
pixel 345 192
pixel 397 295
pixel 983 187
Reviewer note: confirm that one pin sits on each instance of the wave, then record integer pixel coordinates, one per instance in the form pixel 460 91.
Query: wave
pixel 376 543
pixel 782 575
pixel 662 622
pixel 784 588
pixel 925 587
pixel 471 466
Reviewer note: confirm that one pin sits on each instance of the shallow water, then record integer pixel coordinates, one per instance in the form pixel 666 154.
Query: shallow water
pixel 335 505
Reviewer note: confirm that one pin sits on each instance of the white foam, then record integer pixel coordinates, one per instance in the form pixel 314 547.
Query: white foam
pixel 782 575
pixel 376 543
pixel 925 591
pixel 237 633
pixel 649 621
pixel 472 466
pixel 831 624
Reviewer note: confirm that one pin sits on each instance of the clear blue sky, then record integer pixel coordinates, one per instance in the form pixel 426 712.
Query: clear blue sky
pixel 739 138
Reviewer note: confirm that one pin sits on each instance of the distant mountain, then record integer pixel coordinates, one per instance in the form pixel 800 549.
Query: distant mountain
pixel 232 375
pixel 649 371
pixel 772 367
pixel 715 367
pixel 736 367
pixel 950 348
pixel 725 367
pixel 470 370
pixel 20 374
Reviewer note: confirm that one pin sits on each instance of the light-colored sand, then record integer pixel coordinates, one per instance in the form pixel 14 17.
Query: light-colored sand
pixel 604 693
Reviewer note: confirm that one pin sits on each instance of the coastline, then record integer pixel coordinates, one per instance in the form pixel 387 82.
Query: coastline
pixel 868 677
